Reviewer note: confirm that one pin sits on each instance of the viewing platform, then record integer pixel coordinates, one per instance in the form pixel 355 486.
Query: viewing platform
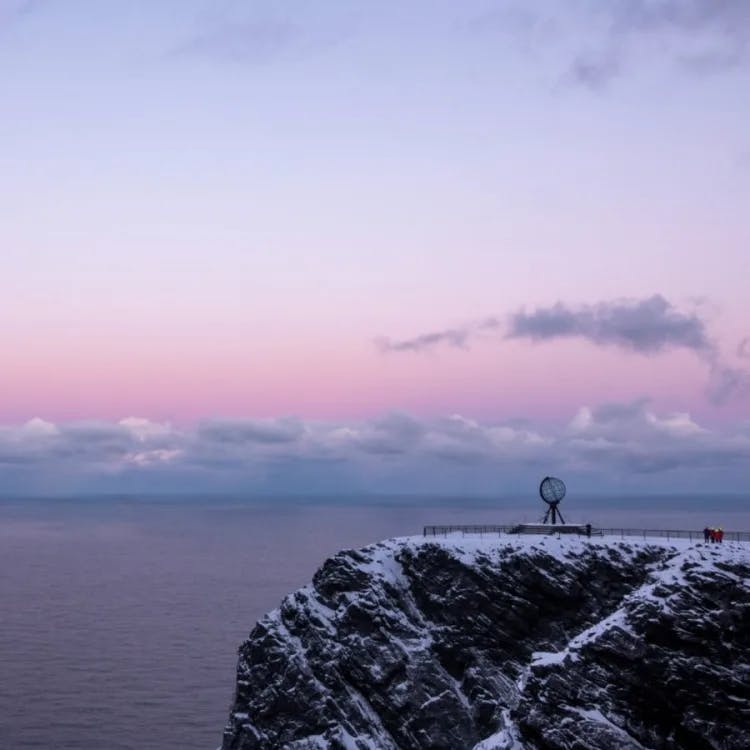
pixel 580 530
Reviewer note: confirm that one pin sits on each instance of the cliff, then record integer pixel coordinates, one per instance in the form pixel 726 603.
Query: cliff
pixel 504 643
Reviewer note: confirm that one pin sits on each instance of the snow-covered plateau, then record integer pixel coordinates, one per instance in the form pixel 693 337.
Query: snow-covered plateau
pixel 504 642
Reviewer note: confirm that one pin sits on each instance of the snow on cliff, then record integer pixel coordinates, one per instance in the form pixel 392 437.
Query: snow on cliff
pixel 504 642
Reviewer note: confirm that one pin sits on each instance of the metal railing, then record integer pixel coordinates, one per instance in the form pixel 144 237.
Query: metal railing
pixel 691 534
pixel 477 529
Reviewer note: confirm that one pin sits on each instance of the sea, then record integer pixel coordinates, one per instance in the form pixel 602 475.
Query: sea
pixel 120 617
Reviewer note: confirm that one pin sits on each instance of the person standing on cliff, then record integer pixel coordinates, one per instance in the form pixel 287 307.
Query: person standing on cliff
pixel 706 534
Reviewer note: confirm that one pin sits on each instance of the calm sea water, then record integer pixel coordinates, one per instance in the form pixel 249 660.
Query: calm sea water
pixel 120 617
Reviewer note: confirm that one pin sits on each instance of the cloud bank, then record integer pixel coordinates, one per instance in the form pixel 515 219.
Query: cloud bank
pixel 608 445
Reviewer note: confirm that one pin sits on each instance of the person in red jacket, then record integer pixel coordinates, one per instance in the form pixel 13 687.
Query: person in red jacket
pixel 719 535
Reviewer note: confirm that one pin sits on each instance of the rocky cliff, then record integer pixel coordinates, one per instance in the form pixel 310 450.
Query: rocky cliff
pixel 504 643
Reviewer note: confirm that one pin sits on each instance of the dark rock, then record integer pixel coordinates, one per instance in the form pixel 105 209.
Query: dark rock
pixel 417 644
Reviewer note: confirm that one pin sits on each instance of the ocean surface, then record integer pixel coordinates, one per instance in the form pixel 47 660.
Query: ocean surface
pixel 120 618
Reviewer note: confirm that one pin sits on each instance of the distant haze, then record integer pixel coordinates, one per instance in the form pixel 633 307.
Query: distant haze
pixel 389 247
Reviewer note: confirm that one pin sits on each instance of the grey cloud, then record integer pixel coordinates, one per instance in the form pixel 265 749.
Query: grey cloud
pixel 263 431
pixel 595 71
pixel 635 420
pixel 726 17
pixel 75 443
pixel 459 440
pixel 617 415
pixel 457 338
pixel 92 442
pixel 453 337
pixel 595 41
pixel 632 438
pixel 727 382
pixel 705 35
pixel 635 458
pixel 394 434
pixel 648 326
pixel 14 454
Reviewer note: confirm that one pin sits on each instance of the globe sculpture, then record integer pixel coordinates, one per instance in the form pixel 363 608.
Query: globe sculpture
pixel 552 491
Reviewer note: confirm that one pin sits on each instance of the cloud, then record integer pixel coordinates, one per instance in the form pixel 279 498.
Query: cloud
pixel 647 326
pixel 457 338
pixel 595 42
pixel 605 443
pixel 392 435
pixel 703 36
pixel 12 11
pixel 595 71
pixel 709 35
pixel 623 422
pixel 727 18
pixel 632 439
pixel 453 337
pixel 727 383
pixel 243 431
pixel 463 440
pixel 74 443
pixel 144 429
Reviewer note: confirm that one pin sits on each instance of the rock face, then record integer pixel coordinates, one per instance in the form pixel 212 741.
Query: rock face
pixel 504 643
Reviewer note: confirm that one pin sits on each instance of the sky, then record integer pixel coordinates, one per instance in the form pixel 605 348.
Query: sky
pixel 382 247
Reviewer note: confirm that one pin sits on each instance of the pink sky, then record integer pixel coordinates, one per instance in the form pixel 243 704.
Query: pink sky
pixel 194 224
